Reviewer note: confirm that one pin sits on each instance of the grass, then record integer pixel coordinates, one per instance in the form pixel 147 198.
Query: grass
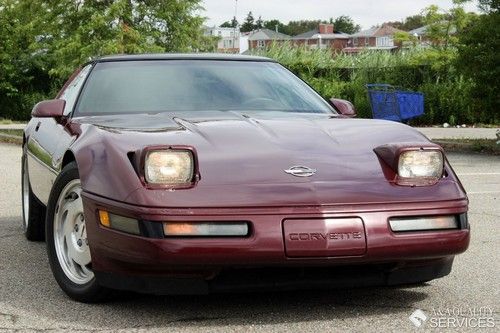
pixel 17 132
pixel 4 121
pixel 479 125
pixel 11 136
pixel 484 146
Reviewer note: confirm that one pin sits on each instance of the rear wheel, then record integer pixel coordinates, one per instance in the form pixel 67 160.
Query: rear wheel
pixel 33 210
pixel 67 244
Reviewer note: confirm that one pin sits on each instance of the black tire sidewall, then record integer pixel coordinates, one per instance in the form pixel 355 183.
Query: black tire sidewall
pixel 90 291
pixel 26 225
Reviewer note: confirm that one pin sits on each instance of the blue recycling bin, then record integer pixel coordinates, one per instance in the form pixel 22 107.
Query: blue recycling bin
pixel 391 104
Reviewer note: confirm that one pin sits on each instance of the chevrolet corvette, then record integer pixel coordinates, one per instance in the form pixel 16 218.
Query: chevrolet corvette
pixel 193 173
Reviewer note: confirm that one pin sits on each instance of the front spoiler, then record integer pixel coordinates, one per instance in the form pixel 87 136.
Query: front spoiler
pixel 126 254
pixel 281 279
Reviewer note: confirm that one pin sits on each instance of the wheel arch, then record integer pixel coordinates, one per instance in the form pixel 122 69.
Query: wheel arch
pixel 68 157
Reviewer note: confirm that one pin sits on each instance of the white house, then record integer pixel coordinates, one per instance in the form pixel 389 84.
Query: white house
pixel 229 38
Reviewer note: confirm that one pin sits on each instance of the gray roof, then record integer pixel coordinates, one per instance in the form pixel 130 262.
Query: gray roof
pixel 365 33
pixel 181 56
pixel 314 34
pixel 307 34
pixel 423 30
pixel 267 34
pixel 384 30
pixel 419 31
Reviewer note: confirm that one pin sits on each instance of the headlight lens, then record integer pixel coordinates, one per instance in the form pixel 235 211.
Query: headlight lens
pixel 420 163
pixel 169 167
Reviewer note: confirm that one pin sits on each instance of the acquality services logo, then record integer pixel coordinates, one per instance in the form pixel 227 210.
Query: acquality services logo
pixel 456 317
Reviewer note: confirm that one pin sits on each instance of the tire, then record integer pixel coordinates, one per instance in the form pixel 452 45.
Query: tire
pixel 33 209
pixel 67 244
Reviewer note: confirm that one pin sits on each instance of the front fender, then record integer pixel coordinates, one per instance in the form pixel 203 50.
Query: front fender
pixel 103 163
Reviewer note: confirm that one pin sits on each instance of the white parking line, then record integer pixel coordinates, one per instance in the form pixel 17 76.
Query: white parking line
pixel 479 174
pixel 485 192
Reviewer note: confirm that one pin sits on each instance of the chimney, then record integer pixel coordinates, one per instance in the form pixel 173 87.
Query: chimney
pixel 325 28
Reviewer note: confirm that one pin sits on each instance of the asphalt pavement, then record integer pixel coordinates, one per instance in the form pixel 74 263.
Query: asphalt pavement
pixel 30 299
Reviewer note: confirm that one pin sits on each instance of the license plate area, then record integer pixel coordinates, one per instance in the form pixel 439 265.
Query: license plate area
pixel 332 237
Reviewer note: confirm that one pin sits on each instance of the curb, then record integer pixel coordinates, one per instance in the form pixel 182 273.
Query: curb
pixel 8 138
pixel 467 147
pixel 448 146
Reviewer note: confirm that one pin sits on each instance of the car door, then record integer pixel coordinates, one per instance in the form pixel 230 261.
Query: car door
pixel 49 138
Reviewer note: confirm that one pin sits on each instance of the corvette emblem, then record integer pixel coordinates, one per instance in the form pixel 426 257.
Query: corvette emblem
pixel 300 171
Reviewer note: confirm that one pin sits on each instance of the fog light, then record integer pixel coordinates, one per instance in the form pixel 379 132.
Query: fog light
pixel 423 223
pixel 205 229
pixel 120 223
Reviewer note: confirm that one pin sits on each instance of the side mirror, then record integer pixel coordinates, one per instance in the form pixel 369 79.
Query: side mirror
pixel 344 107
pixel 52 108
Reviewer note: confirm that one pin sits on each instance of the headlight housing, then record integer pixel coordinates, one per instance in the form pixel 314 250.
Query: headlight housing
pixel 420 163
pixel 412 164
pixel 169 167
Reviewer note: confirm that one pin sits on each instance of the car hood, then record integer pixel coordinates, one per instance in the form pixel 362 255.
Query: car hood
pixel 243 156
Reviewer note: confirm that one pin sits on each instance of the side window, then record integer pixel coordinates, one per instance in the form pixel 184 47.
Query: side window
pixel 71 92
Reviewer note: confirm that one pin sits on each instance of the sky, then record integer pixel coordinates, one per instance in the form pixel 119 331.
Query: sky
pixel 366 13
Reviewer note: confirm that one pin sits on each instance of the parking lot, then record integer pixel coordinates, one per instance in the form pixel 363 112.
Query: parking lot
pixel 31 300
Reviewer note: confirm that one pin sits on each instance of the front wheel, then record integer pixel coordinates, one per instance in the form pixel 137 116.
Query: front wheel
pixel 67 244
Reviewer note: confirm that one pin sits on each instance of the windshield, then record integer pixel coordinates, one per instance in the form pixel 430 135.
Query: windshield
pixel 195 85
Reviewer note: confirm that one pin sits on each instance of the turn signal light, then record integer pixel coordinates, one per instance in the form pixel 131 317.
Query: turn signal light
pixel 104 218
pixel 205 229
pixel 120 223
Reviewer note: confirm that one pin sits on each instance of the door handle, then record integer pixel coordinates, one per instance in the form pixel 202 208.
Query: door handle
pixel 37 126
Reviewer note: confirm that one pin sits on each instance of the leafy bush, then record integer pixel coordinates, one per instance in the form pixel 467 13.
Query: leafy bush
pixel 448 95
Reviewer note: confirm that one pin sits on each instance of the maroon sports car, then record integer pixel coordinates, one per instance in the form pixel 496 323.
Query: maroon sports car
pixel 188 173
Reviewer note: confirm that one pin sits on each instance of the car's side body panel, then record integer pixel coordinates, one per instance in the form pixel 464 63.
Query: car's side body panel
pixel 48 139
pixel 42 142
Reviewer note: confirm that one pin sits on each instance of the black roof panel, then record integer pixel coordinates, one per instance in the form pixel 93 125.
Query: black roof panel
pixel 182 56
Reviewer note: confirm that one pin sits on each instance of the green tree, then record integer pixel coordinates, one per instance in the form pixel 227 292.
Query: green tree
pixel 43 41
pixel 23 63
pixel 298 27
pixel 394 24
pixel 489 6
pixel 85 29
pixel 249 23
pixel 274 24
pixel 259 24
pixel 230 24
pixel 444 27
pixel 404 38
pixel 478 59
pixel 345 24
pixel 409 23
pixel 412 22
pixel 486 6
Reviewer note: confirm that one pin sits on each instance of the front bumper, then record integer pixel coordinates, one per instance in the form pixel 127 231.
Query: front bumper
pixel 128 255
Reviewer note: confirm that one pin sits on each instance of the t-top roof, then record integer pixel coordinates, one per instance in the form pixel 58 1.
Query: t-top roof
pixel 182 56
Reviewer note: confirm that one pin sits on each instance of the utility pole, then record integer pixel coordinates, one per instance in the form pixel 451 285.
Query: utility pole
pixel 236 25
